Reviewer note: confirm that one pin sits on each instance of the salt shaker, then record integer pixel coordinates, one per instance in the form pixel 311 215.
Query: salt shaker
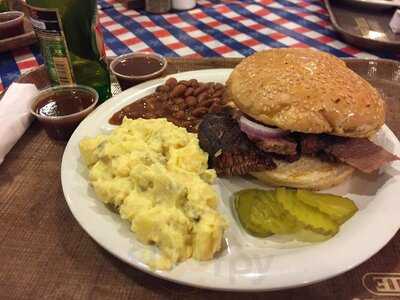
pixel 158 6
pixel 183 4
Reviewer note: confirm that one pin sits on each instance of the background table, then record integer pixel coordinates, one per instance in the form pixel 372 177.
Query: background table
pixel 215 28
pixel 45 254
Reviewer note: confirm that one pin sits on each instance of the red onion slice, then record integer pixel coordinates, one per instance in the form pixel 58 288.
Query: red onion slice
pixel 257 131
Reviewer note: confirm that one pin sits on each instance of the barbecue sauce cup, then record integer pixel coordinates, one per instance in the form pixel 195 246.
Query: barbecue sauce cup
pixel 134 68
pixel 60 109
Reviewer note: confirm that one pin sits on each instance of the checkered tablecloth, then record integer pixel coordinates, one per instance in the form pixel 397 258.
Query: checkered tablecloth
pixel 213 28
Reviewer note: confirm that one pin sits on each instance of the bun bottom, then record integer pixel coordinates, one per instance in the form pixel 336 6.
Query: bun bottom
pixel 306 173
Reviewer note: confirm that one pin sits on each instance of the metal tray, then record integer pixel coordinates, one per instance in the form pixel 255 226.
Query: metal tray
pixel 364 27
pixel 376 3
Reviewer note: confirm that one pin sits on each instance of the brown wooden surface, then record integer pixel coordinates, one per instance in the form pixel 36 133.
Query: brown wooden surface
pixel 45 254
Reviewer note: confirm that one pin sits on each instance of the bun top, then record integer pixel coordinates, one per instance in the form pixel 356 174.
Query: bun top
pixel 306 91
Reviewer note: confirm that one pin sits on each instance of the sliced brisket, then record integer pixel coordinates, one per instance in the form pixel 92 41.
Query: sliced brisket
pixel 312 144
pixel 360 153
pixel 236 162
pixel 230 150
pixel 288 158
pixel 279 145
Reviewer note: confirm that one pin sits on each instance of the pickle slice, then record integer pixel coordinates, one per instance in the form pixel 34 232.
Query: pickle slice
pixel 258 220
pixel 307 215
pixel 272 216
pixel 338 208
pixel 260 213
pixel 309 236
pixel 244 201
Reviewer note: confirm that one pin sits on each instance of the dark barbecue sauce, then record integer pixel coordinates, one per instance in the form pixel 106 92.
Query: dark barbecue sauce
pixel 138 66
pixel 63 104
pixel 59 112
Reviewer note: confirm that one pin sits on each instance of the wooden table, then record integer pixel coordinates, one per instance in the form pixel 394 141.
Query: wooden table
pixel 45 254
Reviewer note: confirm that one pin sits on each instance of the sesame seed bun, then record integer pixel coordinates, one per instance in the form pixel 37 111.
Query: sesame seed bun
pixel 307 91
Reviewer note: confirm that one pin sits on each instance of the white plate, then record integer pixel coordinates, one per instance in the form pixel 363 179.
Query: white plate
pixel 246 263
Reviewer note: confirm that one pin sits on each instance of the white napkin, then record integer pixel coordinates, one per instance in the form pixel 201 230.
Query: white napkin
pixel 15 116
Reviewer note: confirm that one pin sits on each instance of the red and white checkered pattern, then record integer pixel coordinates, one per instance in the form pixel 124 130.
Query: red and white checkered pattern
pixel 308 10
pixel 182 49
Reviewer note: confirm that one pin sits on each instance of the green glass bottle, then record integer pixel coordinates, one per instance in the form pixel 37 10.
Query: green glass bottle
pixel 3 6
pixel 71 42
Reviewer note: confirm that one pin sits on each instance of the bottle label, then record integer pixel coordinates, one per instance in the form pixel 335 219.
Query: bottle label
pixel 48 27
